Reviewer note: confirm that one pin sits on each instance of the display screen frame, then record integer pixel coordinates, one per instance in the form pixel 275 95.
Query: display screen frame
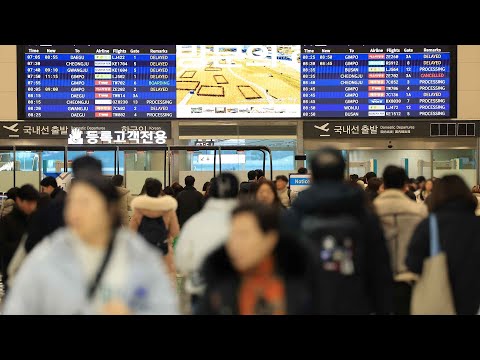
pixel 453 49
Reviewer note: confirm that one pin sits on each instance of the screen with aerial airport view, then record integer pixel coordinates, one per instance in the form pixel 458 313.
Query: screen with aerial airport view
pixel 238 81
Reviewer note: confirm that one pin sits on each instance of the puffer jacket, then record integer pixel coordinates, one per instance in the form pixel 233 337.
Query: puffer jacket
pixel 124 203
pixel 7 207
pixel 399 216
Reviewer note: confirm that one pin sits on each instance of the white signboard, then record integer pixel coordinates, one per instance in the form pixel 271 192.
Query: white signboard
pixel 226 159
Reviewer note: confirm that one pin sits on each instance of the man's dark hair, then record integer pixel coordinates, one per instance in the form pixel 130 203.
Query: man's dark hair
pixel 169 191
pixel 268 217
pixel 189 180
pixel 152 187
pixel 252 174
pixel 117 180
pixel 86 166
pixel 354 178
pixel 49 181
pixel 421 179
pixel 370 175
pixel 451 188
pixel 28 193
pixel 224 186
pixel 394 177
pixel 282 177
pixel 374 184
pixel 206 185
pixel 411 181
pixel 328 164
pixel 12 193
pixel 302 171
pixel 260 173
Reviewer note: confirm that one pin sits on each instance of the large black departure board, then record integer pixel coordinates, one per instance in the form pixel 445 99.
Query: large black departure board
pixel 161 82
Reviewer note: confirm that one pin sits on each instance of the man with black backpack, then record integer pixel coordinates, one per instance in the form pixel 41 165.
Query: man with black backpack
pixel 332 218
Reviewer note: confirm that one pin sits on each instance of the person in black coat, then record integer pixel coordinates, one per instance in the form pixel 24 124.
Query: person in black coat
pixel 258 271
pixel 49 185
pixel 459 233
pixel 190 201
pixel 333 218
pixel 14 225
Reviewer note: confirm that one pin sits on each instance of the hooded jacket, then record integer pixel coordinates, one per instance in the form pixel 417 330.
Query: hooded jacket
pixel 369 289
pixel 294 265
pixel 399 217
pixel 52 281
pixel 458 230
pixel 201 234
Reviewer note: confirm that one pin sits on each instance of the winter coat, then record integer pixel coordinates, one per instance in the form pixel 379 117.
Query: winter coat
pixel 190 201
pixel 52 281
pixel 201 234
pixel 399 216
pixel 369 289
pixel 7 207
pixel 46 220
pixel 294 265
pixel 12 228
pixel 58 194
pixel 459 231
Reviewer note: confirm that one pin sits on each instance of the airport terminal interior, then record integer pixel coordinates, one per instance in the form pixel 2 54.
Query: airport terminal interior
pixel 240 180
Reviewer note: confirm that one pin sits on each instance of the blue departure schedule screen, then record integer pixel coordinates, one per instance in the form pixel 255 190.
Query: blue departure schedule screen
pixel 376 81
pixel 99 82
pixel 161 82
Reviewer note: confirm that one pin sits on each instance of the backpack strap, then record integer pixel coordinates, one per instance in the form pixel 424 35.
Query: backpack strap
pixel 92 288
pixel 289 196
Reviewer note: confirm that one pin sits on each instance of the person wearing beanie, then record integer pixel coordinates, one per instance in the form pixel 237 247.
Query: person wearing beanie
pixel 332 217
pixel 206 231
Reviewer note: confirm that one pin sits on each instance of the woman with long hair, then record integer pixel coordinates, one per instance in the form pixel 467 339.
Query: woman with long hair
pixel 266 193
pixel 454 206
pixel 93 265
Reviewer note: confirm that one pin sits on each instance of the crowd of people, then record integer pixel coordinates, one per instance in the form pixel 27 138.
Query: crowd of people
pixel 255 247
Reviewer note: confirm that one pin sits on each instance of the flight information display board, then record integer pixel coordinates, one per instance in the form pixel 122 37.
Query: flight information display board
pixel 161 82
pixel 97 82
pixel 366 81
pixel 239 81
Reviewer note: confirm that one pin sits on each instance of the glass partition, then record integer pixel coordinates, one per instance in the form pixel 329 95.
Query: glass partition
pixel 456 161
pixel 6 170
